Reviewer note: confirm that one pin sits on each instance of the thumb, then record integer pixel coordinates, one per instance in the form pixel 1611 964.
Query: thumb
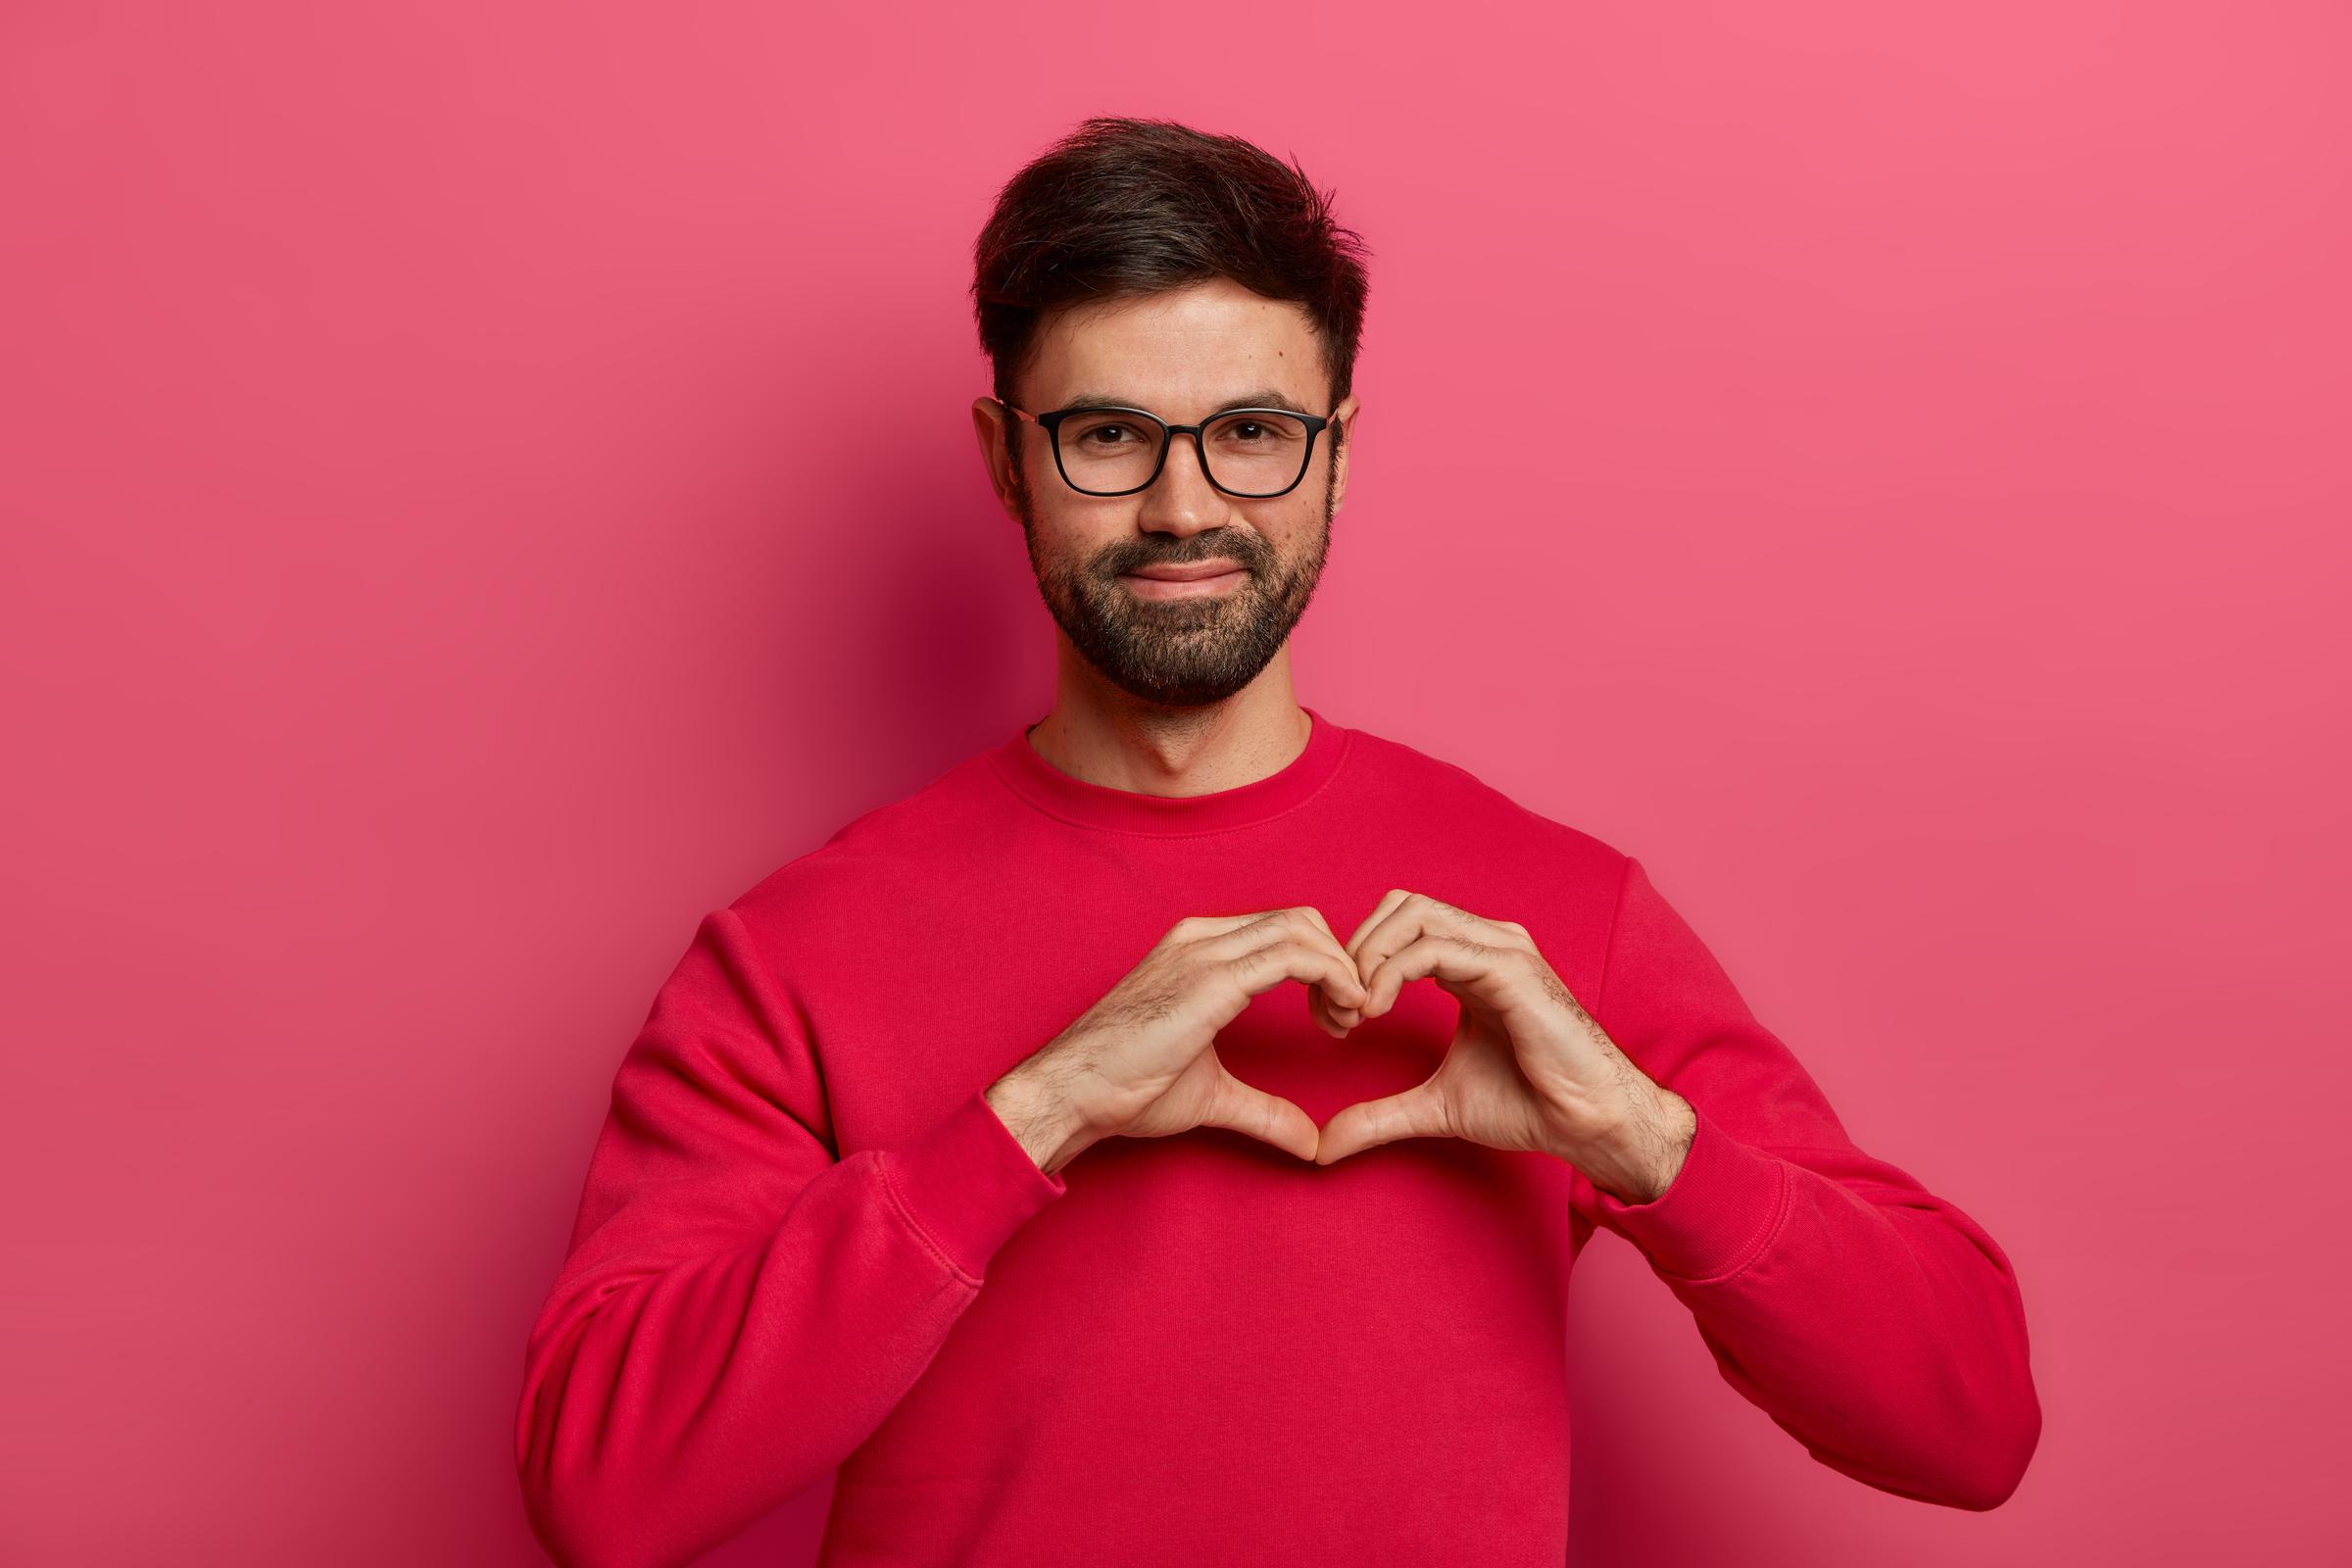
pixel 1417 1112
pixel 1269 1118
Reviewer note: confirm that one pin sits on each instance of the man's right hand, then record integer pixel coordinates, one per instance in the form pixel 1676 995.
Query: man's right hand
pixel 1141 1063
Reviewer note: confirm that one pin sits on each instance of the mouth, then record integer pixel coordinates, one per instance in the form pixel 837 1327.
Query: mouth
pixel 1189 580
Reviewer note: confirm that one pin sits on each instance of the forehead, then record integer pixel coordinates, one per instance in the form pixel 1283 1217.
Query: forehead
pixel 1179 353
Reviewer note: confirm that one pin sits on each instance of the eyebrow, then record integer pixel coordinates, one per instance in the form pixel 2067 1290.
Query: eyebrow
pixel 1262 398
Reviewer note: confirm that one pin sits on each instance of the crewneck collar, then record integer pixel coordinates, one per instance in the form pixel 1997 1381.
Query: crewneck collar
pixel 1075 801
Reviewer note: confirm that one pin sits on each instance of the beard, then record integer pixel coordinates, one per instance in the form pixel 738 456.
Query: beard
pixel 1188 652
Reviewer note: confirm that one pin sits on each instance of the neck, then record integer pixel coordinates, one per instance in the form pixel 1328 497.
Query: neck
pixel 1105 735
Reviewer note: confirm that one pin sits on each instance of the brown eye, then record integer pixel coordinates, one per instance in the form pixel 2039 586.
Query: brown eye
pixel 1108 434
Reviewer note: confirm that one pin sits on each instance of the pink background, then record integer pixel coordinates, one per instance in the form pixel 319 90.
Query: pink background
pixel 484 483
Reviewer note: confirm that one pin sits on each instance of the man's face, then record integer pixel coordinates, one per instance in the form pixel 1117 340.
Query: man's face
pixel 1183 355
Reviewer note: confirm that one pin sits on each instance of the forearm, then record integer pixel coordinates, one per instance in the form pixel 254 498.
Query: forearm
pixel 1876 1323
pixel 674 1344
pixel 1873 1321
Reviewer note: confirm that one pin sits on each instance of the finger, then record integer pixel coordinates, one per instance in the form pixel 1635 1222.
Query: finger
pixel 1457 963
pixel 1400 920
pixel 1319 1005
pixel 1417 915
pixel 1380 911
pixel 1295 951
pixel 1232 931
pixel 1309 963
pixel 1417 1112
pixel 1401 917
pixel 1268 1118
pixel 1336 1017
pixel 1217 925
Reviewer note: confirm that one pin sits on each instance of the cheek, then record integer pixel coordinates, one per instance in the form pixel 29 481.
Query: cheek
pixel 1297 530
pixel 1075 531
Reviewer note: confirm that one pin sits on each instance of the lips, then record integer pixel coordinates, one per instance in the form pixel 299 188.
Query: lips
pixel 1188 571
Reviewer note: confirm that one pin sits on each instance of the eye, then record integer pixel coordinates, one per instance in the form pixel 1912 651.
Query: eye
pixel 1108 435
pixel 1257 432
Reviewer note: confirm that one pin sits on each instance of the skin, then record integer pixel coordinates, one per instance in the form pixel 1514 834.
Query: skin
pixel 1190 696
pixel 1186 696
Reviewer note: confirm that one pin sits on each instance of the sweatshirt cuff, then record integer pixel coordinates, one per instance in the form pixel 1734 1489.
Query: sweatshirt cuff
pixel 1718 1213
pixel 967 1184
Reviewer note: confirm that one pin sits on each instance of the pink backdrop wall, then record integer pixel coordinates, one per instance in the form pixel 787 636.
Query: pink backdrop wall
pixel 437 569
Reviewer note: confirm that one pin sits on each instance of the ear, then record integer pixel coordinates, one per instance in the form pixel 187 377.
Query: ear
pixel 1342 442
pixel 989 424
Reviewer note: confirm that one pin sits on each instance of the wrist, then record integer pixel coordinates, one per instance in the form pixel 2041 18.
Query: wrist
pixel 1643 1160
pixel 1040 1122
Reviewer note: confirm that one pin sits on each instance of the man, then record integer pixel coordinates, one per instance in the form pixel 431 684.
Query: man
pixel 1065 1153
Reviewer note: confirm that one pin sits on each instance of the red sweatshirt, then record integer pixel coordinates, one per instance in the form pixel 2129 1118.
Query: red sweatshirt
pixel 807 1242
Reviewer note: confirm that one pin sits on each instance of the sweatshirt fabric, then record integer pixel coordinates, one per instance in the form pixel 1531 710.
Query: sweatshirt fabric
pixel 807 1242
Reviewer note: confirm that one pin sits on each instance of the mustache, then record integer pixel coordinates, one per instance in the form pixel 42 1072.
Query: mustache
pixel 1119 562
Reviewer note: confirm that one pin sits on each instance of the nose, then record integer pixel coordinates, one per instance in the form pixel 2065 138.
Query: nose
pixel 1181 499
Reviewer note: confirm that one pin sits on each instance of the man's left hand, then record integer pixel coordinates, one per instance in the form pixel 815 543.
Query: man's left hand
pixel 1528 1069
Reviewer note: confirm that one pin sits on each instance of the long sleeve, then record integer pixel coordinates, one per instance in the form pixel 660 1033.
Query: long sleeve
pixel 739 1309
pixel 1872 1320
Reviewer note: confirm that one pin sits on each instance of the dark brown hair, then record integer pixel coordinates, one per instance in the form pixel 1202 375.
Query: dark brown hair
pixel 1120 208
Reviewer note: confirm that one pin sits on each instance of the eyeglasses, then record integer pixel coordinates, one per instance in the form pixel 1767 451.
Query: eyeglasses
pixel 1109 451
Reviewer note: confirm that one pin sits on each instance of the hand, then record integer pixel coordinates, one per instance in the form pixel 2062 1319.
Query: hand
pixel 1140 1062
pixel 1527 1067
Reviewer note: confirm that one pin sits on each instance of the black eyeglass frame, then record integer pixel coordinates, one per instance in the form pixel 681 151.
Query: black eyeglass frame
pixel 1051 422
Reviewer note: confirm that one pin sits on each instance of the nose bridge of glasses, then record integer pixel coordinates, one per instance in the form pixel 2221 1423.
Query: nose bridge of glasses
pixel 1198 445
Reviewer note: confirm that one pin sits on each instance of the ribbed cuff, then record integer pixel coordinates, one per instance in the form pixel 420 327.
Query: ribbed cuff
pixel 969 1184
pixel 1717 1215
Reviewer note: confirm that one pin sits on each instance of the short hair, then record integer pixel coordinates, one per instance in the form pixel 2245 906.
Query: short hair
pixel 1121 207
